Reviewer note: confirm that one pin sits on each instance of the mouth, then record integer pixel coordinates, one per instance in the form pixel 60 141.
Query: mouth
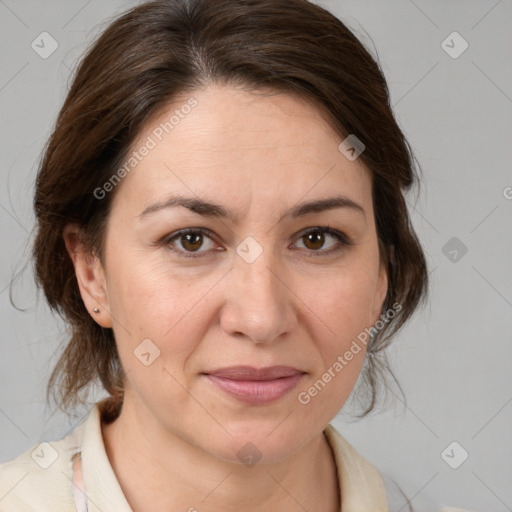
pixel 255 386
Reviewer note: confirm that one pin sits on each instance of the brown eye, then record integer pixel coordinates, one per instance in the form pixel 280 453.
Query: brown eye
pixel 193 242
pixel 315 239
pixel 189 242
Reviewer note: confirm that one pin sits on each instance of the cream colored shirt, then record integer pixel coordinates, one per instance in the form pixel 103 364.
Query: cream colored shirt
pixel 74 475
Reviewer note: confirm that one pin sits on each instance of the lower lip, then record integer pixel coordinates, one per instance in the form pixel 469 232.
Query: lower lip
pixel 256 392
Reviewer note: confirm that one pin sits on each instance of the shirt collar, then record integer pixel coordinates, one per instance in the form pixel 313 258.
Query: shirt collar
pixel 102 487
pixel 361 484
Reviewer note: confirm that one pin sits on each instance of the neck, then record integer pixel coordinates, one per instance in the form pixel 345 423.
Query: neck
pixel 158 469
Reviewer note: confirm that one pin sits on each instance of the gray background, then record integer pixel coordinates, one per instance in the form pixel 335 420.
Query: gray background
pixel 452 360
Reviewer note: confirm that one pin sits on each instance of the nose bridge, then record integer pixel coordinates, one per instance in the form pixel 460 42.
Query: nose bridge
pixel 259 305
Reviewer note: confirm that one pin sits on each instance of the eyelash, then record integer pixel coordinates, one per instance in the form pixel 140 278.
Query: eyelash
pixel 342 238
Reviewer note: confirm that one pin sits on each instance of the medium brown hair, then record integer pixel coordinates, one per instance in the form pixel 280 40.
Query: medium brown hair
pixel 136 67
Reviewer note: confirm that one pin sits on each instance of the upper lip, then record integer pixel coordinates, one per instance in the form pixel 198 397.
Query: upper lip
pixel 251 373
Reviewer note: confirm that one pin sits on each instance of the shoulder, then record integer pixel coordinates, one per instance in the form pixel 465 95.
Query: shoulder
pixel 366 478
pixel 40 478
pixel 398 501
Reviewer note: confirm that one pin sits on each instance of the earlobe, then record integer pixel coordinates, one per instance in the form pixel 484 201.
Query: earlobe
pixel 380 293
pixel 90 276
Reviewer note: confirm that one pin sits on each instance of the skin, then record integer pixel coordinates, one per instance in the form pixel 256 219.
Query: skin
pixel 178 435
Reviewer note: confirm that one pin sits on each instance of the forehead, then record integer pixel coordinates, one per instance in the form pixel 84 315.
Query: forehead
pixel 241 145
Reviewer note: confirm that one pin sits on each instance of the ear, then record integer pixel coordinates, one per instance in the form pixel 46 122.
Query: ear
pixel 90 276
pixel 380 291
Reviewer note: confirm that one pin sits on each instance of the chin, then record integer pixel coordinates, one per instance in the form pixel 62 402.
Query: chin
pixel 262 442
pixel 250 451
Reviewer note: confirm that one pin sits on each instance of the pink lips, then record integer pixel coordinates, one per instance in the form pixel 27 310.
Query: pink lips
pixel 256 386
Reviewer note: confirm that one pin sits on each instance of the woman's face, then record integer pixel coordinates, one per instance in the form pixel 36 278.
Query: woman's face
pixel 248 286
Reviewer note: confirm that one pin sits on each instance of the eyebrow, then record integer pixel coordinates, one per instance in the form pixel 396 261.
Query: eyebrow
pixel 209 209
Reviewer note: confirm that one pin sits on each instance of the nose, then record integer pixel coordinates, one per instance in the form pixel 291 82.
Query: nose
pixel 259 303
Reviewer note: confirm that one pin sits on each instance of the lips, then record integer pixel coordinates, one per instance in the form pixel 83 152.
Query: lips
pixel 251 373
pixel 255 386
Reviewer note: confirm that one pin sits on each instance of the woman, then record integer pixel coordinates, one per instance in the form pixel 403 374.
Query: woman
pixel 221 221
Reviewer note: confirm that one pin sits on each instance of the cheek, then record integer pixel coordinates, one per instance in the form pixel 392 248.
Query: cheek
pixel 153 301
pixel 342 353
pixel 344 299
pixel 342 304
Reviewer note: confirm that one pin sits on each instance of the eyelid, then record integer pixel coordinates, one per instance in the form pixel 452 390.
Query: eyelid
pixel 327 229
pixel 166 241
pixel 343 239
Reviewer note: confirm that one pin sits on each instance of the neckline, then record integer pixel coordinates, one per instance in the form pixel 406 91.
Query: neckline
pixel 359 482
pixel 78 487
